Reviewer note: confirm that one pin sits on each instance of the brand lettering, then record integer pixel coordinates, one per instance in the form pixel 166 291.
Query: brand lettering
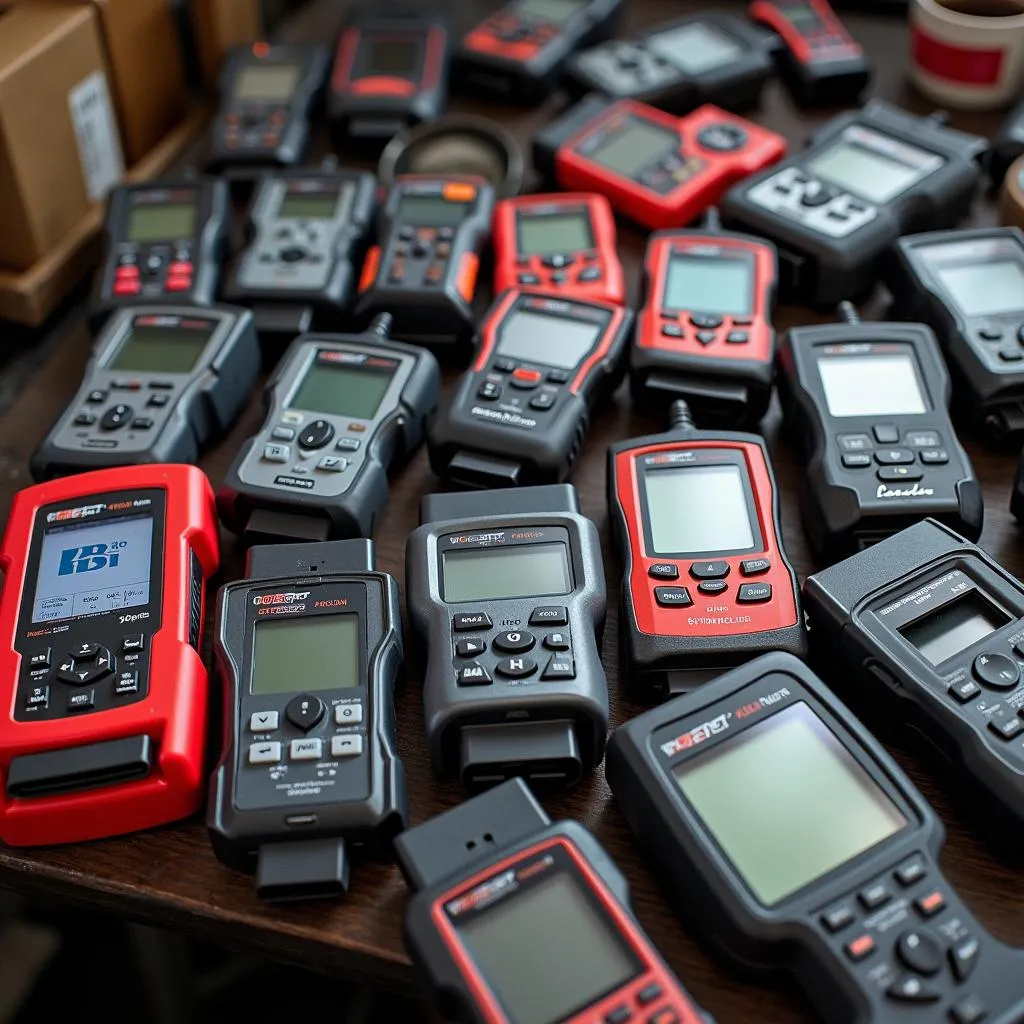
pixel 134 617
pixel 90 558
pixel 506 419
pixel 904 492
pixel 74 513
pixel 718 620
pixel 478 538
pixel 702 732
pixel 290 598
pixel 335 602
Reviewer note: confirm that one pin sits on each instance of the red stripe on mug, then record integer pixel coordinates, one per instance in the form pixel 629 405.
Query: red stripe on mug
pixel 955 63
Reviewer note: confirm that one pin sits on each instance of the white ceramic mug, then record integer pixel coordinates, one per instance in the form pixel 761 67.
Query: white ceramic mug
pixel 967 61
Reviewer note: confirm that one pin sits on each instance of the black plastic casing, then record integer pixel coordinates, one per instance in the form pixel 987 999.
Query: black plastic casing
pixel 899 691
pixel 823 270
pixel 366 821
pixel 476 71
pixel 841 510
pixel 993 389
pixel 789 937
pixel 1007 146
pixel 733 86
pixel 577 707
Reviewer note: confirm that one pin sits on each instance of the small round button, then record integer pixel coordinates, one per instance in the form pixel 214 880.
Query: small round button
pixel 722 137
pixel 116 417
pixel 293 254
pixel 515 641
pixel 304 711
pixel 817 193
pixel 316 434
pixel 920 951
pixel 997 671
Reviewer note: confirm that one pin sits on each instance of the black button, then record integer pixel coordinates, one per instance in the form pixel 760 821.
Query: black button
pixel 529 279
pixel 1005 725
pixel 998 671
pixel 856 460
pixel 619 1015
pixel 722 138
pixel 84 419
pixel 909 989
pixel 754 566
pixel 558 376
pixel 991 333
pixel 705 320
pixel 589 274
pixel 407 231
pixel 559 667
pixel 1011 355
pixel 135 642
pixel 66 670
pixel 920 951
pixel 648 994
pixel 737 338
pixel 910 872
pixel 935 457
pixel 963 957
pixel 293 254
pixel 102 666
pixel 316 434
pixel 96 397
pixel 558 277
pixel 469 622
pixel 516 668
pixel 709 570
pixel 304 711
pixel 663 571
pixel 558 260
pixel 82 700
pixel 470 648
pixel 556 642
pixel 817 193
pixel 970 1010
pixel 515 641
pixel 543 400
pixel 671 330
pixel 673 597
pixel 886 434
pixel 40 658
pixel 158 401
pixel 126 683
pixel 489 391
pixel 503 365
pixel 713 587
pixel 754 593
pixel 837 918
pixel 922 439
pixel 116 417
pixel 85 651
pixel 965 690
pixel 873 896
pixel 161 385
pixel 706 337
pixel 894 457
pixel 907 474
pixel 142 423
pixel 550 615
pixel 37 699
pixel 855 442
pixel 473 674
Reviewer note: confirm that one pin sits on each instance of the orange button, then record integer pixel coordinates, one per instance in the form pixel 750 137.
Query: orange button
pixel 178 284
pixel 370 268
pixel 127 273
pixel 528 376
pixel 931 904
pixel 860 947
pixel 459 192
pixel 261 49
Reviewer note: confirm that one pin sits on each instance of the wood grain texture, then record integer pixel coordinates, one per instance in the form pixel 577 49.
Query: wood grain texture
pixel 170 877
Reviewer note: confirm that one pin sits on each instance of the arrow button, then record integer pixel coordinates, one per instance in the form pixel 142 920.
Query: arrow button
pixel 263 721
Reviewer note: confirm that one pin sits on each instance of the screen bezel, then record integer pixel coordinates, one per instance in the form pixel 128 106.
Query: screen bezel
pixel 600 323
pixel 721 255
pixel 128 326
pixel 777 691
pixel 934 267
pixel 708 458
pixel 305 363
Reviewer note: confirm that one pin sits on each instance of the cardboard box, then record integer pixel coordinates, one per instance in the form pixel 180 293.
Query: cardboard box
pixel 60 150
pixel 145 66
pixel 219 25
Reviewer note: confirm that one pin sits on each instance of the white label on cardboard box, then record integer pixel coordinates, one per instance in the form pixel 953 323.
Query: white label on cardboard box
pixel 99 144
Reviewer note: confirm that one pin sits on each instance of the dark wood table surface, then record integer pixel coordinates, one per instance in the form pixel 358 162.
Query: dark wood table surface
pixel 169 877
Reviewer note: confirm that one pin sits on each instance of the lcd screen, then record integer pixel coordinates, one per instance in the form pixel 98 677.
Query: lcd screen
pixel 267 83
pixel 637 146
pixel 953 627
pixel 151 349
pixel 485 574
pixel 296 206
pixel 293 655
pixel 695 48
pixel 872 385
pixel 801 15
pixel 698 510
pixel 863 172
pixel 161 222
pixel 547 233
pixel 555 12
pixel 547 951
pixel 340 389
pixel 985 289
pixel 392 57
pixel 722 286
pixel 786 802
pixel 431 211
pixel 548 340
pixel 94 567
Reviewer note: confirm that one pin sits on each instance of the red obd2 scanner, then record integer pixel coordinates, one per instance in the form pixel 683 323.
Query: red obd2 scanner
pixel 100 617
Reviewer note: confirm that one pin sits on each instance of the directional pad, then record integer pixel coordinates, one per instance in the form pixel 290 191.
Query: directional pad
pixel 85 664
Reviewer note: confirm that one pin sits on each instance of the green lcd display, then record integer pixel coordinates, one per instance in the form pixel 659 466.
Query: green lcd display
pixel 293 655
pixel 317 206
pixel 161 222
pixel 342 389
pixel 786 802
pixel 152 349
pixel 528 570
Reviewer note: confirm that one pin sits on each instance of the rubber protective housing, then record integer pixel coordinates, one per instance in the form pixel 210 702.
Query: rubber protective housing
pixel 175 712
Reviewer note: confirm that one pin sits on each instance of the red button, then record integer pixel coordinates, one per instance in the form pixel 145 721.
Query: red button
pixel 178 284
pixel 127 273
pixel 127 287
pixel 860 947
pixel 527 376
pixel 665 1016
pixel 931 904
pixel 180 270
